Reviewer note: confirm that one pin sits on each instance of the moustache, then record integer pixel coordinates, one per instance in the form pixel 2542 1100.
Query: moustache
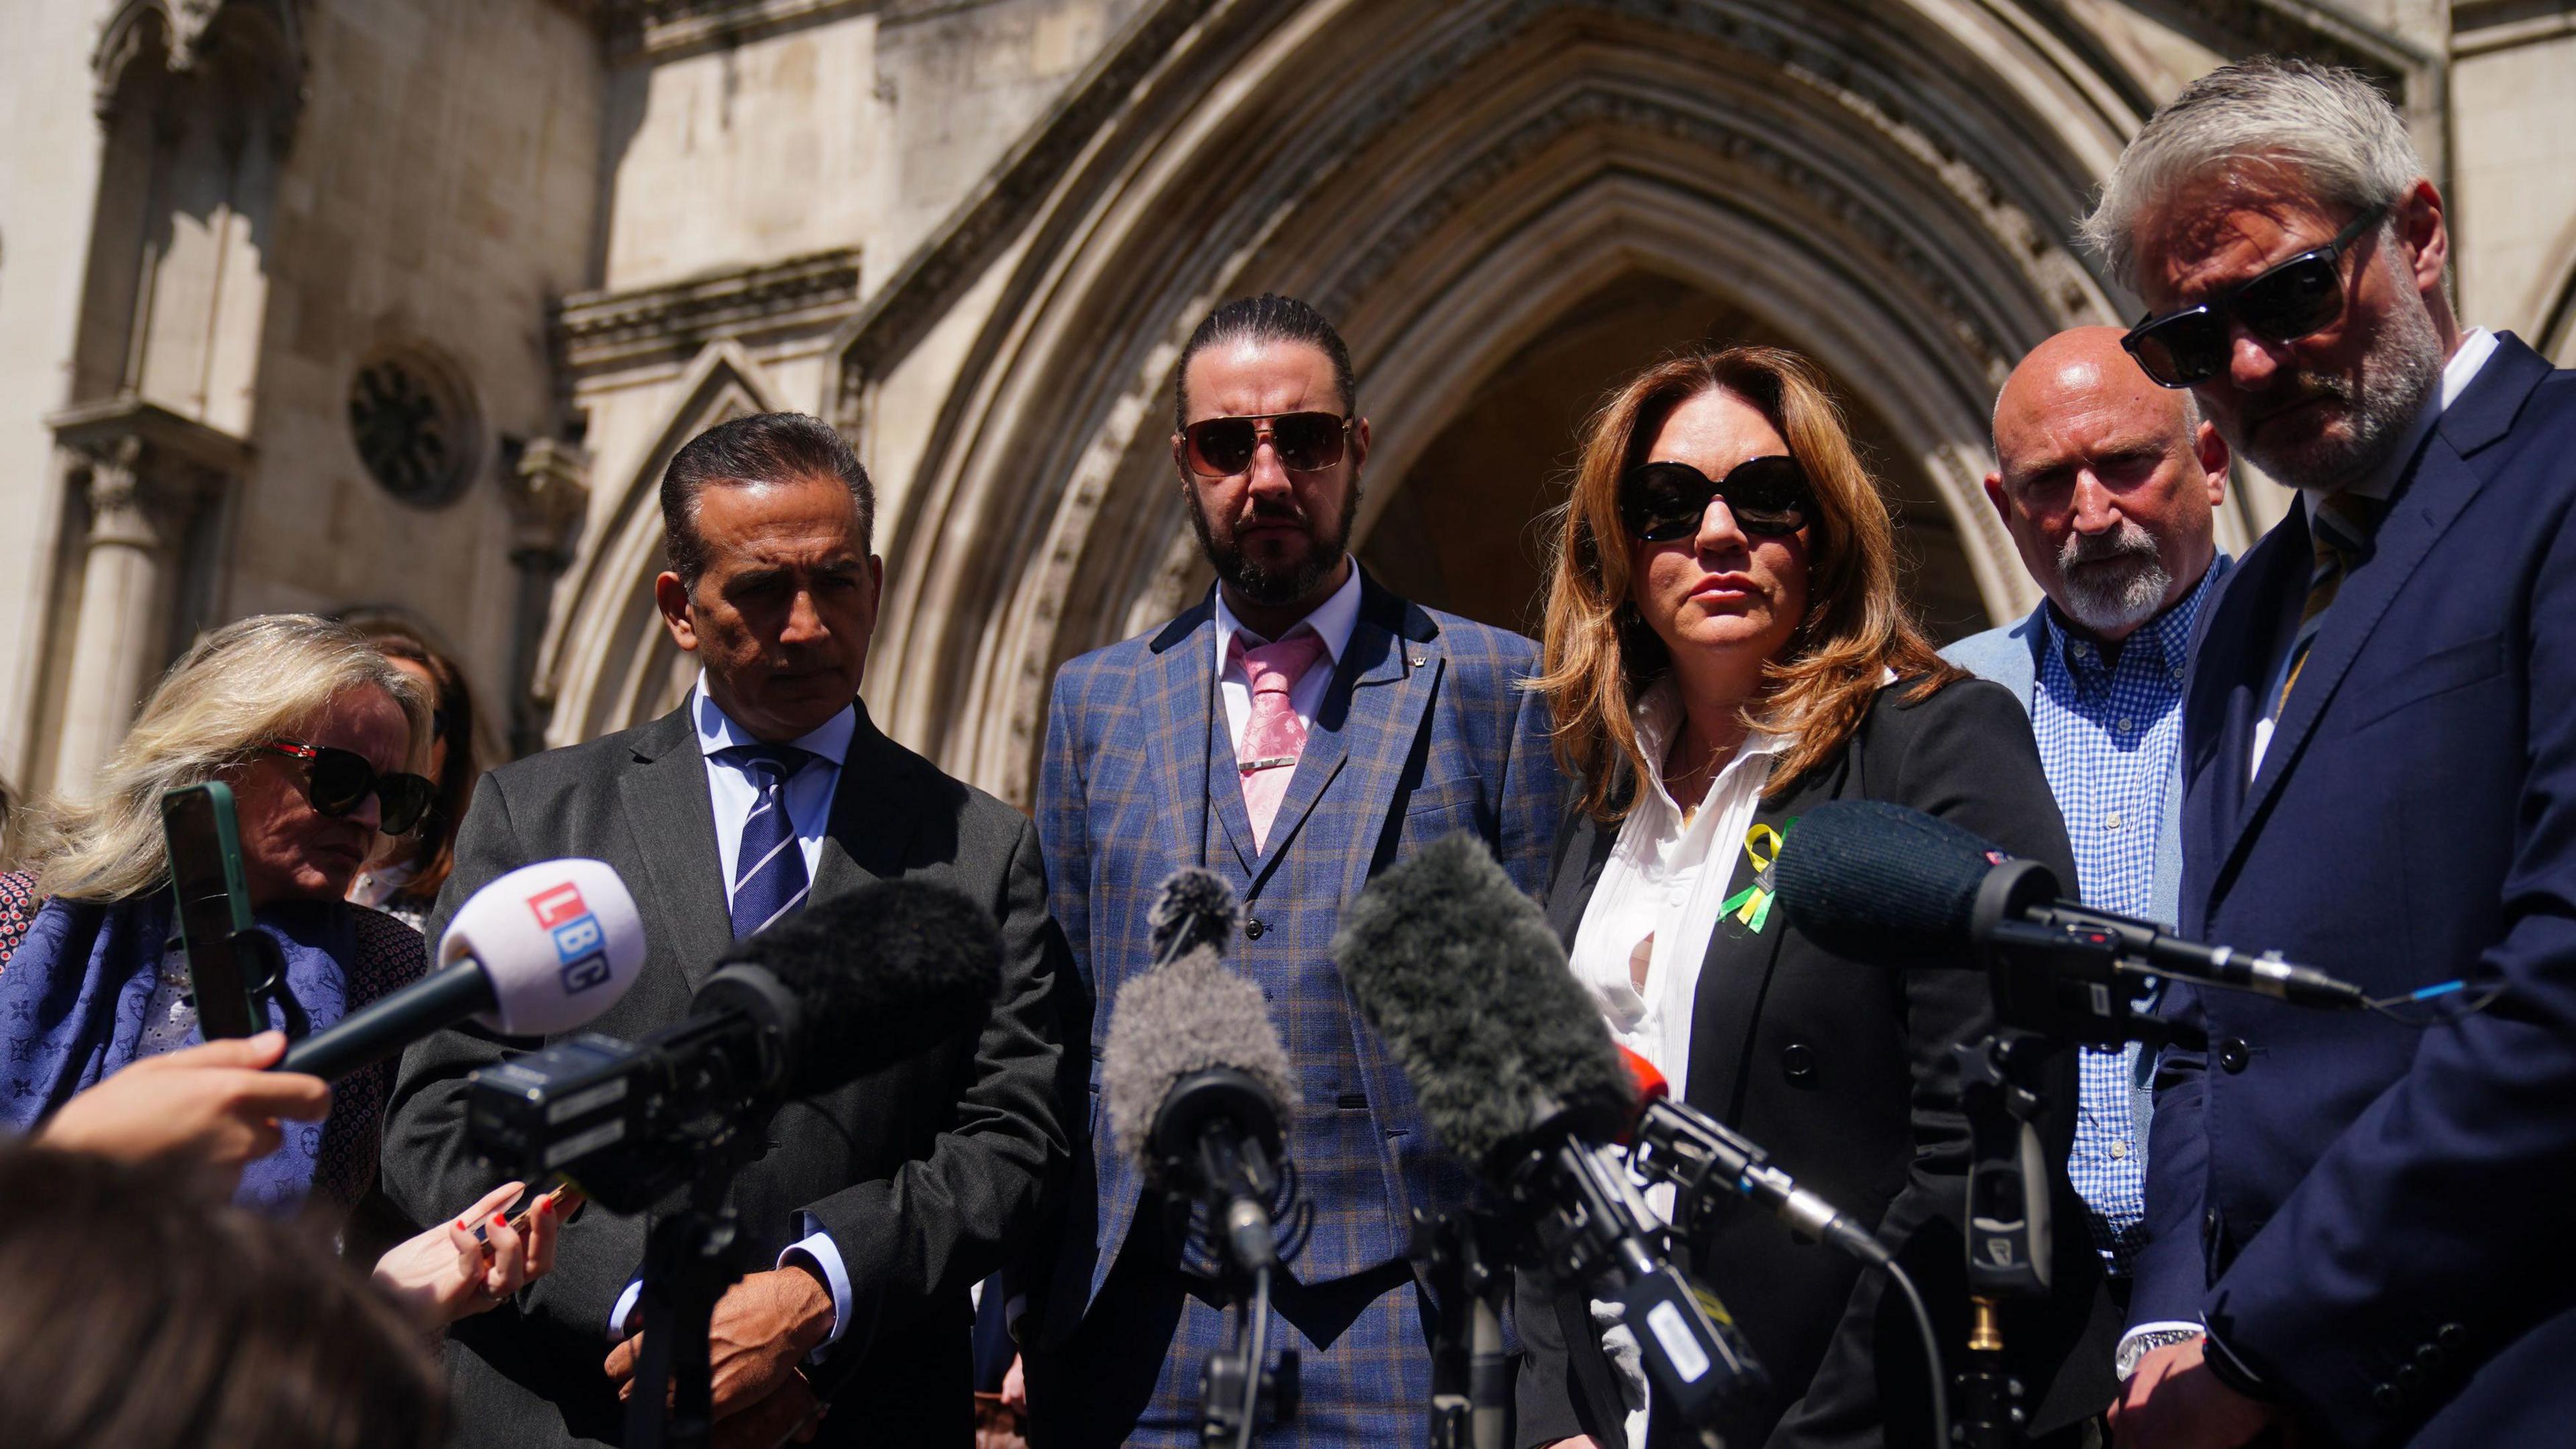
pixel 2299 390
pixel 2127 542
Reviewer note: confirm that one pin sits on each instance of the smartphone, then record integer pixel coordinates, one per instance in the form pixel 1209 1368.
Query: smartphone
pixel 214 908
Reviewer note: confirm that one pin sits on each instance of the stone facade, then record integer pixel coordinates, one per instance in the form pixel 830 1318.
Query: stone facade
pixel 401 306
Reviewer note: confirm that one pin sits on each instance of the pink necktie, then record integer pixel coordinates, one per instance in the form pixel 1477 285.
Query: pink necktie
pixel 1274 736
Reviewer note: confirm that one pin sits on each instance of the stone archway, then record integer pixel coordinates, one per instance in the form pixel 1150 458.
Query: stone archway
pixel 1885 190
pixel 1463 531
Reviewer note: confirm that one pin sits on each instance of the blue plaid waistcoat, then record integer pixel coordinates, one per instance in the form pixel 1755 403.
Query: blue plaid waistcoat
pixel 1424 731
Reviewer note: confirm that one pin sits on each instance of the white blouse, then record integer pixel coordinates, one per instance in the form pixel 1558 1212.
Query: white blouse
pixel 1661 890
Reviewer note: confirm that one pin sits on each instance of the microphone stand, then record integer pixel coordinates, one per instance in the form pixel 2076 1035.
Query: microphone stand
pixel 688 1265
pixel 1464 1252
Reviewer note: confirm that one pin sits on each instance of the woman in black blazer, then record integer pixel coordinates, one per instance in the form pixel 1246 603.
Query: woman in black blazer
pixel 1726 649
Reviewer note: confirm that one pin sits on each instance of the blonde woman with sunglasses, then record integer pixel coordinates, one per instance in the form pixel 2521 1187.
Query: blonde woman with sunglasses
pixel 319 739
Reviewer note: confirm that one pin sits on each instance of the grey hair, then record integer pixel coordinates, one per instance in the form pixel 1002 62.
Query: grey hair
pixel 249 682
pixel 2343 137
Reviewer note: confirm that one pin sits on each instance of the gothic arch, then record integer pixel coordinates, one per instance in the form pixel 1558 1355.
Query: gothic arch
pixel 606 662
pixel 1892 188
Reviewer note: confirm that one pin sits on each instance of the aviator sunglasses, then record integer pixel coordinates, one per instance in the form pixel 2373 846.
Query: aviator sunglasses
pixel 1305 442
pixel 1660 502
pixel 2300 297
pixel 339 781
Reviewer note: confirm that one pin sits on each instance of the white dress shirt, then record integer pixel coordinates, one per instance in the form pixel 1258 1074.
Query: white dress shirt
pixel 2475 348
pixel 1332 620
pixel 733 791
pixel 1663 882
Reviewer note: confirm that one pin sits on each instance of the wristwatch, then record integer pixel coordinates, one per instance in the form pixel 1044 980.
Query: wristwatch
pixel 2135 1348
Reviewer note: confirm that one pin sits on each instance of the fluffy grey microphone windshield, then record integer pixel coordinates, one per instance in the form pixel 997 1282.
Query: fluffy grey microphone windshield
pixel 1184 1017
pixel 1194 908
pixel 1460 975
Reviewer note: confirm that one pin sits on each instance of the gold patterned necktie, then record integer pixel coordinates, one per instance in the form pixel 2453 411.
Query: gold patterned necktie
pixel 2341 530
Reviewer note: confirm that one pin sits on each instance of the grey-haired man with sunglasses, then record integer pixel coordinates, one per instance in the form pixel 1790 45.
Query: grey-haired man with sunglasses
pixel 1296 730
pixel 2355 1222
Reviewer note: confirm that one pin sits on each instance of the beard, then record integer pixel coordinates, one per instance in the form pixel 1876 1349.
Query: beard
pixel 2113 581
pixel 1275 587
pixel 2378 406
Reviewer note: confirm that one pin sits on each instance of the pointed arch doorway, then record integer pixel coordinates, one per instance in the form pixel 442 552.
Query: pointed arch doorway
pixel 1466 528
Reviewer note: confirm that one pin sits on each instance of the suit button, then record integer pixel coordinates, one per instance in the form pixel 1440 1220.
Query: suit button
pixel 2452 1337
pixel 2429 1359
pixel 2232 1054
pixel 1799 1061
pixel 1252 928
pixel 2386 1398
pixel 2409 1378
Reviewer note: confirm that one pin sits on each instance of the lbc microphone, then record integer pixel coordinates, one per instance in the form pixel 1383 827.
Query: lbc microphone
pixel 1193 1073
pixel 541 950
pixel 848 985
pixel 1459 974
pixel 1875 881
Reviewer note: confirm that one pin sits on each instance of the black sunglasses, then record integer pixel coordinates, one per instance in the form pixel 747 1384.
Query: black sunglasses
pixel 339 781
pixel 2301 296
pixel 1660 502
pixel 1305 442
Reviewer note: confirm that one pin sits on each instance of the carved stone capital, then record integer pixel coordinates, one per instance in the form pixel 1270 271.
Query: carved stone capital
pixel 259 60
pixel 147 468
pixel 548 493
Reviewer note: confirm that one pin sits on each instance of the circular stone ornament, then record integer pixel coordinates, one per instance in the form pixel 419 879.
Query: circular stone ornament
pixel 413 427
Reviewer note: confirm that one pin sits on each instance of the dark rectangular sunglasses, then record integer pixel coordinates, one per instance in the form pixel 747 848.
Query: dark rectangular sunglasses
pixel 1660 502
pixel 2301 296
pixel 1305 442
pixel 339 781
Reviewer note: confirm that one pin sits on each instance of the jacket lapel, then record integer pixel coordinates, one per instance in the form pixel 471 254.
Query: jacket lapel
pixel 1744 949
pixel 875 809
pixel 1177 698
pixel 664 791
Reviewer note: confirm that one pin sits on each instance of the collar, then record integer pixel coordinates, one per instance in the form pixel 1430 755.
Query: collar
pixel 1657 715
pixel 1332 620
pixel 2166 637
pixel 2475 348
pixel 717 731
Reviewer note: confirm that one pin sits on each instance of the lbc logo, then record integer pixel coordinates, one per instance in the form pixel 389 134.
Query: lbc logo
pixel 577 936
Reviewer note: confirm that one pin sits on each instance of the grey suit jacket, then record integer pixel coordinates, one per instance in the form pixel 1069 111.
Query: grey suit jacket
pixel 926 1173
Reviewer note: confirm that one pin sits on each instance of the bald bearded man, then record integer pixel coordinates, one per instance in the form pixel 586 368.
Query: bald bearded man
pixel 2109 486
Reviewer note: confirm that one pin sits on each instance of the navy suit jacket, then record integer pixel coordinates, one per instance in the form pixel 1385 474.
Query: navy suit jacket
pixel 1424 731
pixel 2367 1212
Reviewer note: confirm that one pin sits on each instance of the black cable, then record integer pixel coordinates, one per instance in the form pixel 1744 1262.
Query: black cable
pixel 1931 1354
pixel 1257 1352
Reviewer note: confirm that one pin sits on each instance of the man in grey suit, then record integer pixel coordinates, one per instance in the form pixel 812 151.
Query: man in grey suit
pixel 878 1204
pixel 2108 486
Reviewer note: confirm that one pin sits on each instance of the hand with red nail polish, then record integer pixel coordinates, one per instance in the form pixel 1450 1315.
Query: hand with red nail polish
pixel 450 1273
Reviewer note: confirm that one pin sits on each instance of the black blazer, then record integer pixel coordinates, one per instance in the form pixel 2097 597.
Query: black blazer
pixel 926 1173
pixel 1842 1069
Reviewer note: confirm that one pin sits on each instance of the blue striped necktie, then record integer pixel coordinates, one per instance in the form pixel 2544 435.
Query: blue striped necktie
pixel 769 870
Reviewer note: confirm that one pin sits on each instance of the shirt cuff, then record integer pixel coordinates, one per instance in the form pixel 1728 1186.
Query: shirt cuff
pixel 625 1308
pixel 817 1251
pixel 2145 1338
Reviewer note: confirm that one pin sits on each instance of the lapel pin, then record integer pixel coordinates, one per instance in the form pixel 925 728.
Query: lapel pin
pixel 1421 659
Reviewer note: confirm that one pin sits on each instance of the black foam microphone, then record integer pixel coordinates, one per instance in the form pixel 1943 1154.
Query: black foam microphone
pixel 1193 1073
pixel 1875 881
pixel 1515 1072
pixel 851 984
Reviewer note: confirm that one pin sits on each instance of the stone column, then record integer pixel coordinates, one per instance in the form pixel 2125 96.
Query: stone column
pixel 118 645
pixel 549 493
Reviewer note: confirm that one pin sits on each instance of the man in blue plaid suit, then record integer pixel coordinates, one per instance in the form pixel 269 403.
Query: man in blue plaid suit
pixel 1407 725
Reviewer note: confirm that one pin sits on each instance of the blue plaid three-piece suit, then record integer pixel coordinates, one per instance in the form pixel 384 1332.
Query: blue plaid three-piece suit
pixel 1424 731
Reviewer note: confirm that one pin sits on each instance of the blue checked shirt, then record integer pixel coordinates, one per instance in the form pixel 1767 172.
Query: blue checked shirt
pixel 2107 735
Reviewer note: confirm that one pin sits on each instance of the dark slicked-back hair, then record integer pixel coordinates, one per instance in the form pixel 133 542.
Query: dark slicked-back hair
pixel 761 448
pixel 1266 318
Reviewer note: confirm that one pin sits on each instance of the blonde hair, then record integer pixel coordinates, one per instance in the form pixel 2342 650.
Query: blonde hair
pixel 1599 655
pixel 249 682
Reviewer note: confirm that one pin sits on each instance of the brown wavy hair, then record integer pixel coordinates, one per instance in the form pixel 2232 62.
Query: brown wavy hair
pixel 433 852
pixel 1599 655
